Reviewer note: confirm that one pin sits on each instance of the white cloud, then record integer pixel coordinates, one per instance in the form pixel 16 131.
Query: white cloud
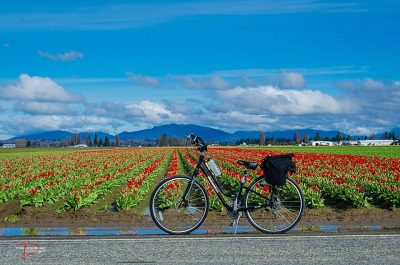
pixel 146 112
pixel 345 84
pixel 187 107
pixel 265 72
pixel 272 100
pixel 365 84
pixel 188 82
pixel 214 82
pixel 145 81
pixel 292 80
pixel 371 84
pixel 355 128
pixel 250 119
pixel 373 96
pixel 120 16
pixel 234 120
pixel 35 88
pixel 106 108
pixel 356 111
pixel 154 112
pixel 63 57
pixel 24 124
pixel 43 108
pixel 217 82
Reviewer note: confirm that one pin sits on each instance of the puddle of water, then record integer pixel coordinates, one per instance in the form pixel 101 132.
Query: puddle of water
pixel 241 229
pixel 105 231
pixel 329 228
pixel 152 231
pixel 324 228
pixel 54 231
pixel 85 231
pixel 12 231
pixel 65 231
pixel 374 227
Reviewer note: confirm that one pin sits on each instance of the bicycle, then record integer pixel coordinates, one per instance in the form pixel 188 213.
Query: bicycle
pixel 179 204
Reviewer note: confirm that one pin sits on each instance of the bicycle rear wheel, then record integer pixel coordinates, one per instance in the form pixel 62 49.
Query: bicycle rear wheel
pixel 173 215
pixel 284 210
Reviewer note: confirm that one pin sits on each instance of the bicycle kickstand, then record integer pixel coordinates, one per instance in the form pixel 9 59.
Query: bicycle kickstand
pixel 235 222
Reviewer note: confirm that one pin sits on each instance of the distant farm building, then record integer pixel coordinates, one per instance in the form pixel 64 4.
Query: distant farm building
pixel 322 143
pixel 352 142
pixel 8 146
pixel 80 146
pixel 375 142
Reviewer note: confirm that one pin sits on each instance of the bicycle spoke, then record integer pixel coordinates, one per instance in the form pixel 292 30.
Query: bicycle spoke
pixel 283 213
pixel 178 216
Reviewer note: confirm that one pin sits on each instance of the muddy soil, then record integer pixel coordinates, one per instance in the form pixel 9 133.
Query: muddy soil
pixel 47 217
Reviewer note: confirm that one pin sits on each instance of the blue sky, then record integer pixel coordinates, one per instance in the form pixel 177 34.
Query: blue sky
pixel 232 65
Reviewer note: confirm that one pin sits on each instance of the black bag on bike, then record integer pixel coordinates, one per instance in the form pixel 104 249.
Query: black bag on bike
pixel 276 168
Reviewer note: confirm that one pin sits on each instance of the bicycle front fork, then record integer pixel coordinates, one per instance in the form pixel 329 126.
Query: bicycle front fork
pixel 184 200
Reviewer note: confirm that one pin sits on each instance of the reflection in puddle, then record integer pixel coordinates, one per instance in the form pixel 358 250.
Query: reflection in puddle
pixel 329 228
pixel 108 231
pixel 323 228
pixel 241 229
pixel 85 231
pixel 374 227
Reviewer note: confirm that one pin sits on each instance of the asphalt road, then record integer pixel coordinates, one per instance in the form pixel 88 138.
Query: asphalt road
pixel 285 249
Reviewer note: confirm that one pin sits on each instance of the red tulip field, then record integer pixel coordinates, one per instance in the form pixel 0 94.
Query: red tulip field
pixel 122 178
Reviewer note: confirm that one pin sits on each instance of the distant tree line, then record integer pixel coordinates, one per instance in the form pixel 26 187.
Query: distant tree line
pixel 97 141
pixel 305 138
pixel 165 140
pixel 388 136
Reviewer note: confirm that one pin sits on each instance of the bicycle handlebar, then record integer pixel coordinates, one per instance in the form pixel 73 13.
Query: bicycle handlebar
pixel 198 142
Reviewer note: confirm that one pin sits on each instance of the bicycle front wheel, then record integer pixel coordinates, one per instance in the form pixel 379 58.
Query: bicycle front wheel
pixel 171 213
pixel 278 210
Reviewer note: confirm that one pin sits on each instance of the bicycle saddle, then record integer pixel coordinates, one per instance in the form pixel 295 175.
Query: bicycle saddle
pixel 248 164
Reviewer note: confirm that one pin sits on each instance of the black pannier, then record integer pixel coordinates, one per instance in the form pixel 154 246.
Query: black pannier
pixel 276 168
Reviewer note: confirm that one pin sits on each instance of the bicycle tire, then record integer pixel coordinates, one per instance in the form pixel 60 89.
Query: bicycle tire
pixel 158 213
pixel 289 201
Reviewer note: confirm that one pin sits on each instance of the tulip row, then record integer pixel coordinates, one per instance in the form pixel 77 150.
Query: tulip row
pixel 140 184
pixel 90 192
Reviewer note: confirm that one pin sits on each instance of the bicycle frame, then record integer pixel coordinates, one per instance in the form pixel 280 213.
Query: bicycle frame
pixel 219 191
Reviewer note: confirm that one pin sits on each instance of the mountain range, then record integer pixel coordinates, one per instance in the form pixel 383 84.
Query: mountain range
pixel 182 130
pixel 61 136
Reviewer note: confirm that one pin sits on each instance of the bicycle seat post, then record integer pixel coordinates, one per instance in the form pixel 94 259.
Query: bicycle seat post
pixel 243 179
